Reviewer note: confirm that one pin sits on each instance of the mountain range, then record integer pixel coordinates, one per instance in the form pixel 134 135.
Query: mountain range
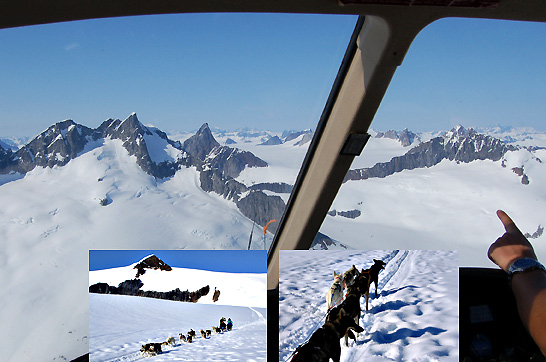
pixel 219 166
pixel 124 185
pixel 157 155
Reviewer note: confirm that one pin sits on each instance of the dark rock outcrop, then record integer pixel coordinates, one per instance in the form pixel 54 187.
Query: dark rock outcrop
pixel 227 187
pixel 132 287
pixel 459 144
pixel 278 187
pixel 519 171
pixel 100 288
pixel 231 161
pixel 536 234
pixel 8 159
pixel 323 242
pixel 350 214
pixel 405 137
pixel 201 143
pixel 151 262
pixel 261 208
pixel 133 133
pixel 56 146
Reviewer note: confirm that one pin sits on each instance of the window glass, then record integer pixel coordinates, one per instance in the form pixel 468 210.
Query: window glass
pixel 460 133
pixel 156 132
pixel 248 89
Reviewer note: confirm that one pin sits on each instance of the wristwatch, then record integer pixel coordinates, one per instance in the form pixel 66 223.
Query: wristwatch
pixel 524 265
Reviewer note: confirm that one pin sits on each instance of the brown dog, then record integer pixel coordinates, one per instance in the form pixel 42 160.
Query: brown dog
pixel 324 343
pixel 348 277
pixel 151 349
pixel 351 304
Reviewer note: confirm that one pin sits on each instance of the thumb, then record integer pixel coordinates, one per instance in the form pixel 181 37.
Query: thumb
pixel 509 225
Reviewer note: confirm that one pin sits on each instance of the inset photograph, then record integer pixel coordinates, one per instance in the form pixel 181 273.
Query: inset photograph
pixel 208 305
pixel 379 305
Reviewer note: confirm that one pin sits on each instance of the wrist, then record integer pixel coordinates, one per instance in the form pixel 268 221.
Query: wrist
pixel 524 265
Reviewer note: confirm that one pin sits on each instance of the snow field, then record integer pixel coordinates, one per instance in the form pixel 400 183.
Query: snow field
pixel 448 206
pixel 119 325
pixel 52 217
pixel 413 318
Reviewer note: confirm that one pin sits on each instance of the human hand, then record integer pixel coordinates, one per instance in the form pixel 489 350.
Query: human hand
pixel 510 246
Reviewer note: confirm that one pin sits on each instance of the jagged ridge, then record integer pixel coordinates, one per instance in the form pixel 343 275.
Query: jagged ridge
pixel 218 165
pixel 459 144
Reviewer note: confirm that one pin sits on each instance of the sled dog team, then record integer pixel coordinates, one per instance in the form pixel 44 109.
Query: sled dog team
pixel 152 349
pixel 343 314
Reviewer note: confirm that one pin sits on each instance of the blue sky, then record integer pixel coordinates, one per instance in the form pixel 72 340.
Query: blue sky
pixel 264 71
pixel 233 261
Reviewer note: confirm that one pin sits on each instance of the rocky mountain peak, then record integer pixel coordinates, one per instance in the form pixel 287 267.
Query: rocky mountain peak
pixel 130 128
pixel 459 132
pixel 201 143
pixel 55 146
pixel 151 262
pixel 406 137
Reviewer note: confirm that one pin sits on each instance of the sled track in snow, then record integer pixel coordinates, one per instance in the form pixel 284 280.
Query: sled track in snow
pixel 393 261
pixel 127 358
pixel 398 256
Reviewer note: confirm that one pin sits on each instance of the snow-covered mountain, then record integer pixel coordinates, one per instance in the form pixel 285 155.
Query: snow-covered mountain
pixel 120 324
pixel 442 192
pixel 415 316
pixel 124 185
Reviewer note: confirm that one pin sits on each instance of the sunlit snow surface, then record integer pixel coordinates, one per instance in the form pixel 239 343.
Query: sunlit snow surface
pixel 120 325
pixel 413 318
pixel 51 217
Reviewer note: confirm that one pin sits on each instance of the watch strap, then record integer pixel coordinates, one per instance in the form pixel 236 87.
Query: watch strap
pixel 524 265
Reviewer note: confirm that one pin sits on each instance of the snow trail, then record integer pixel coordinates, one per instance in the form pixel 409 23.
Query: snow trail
pixel 414 317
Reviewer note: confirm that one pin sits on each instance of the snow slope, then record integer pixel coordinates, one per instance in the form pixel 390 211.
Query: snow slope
pixel 51 218
pixel 414 318
pixel 119 325
pixel 449 206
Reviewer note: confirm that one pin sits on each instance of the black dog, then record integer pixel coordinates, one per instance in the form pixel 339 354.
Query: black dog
pixel 373 273
pixel 324 343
